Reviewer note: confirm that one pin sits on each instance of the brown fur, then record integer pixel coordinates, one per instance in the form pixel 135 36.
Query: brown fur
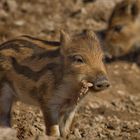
pixel 123 33
pixel 49 74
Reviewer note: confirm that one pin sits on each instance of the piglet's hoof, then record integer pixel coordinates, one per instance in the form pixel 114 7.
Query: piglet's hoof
pixel 55 131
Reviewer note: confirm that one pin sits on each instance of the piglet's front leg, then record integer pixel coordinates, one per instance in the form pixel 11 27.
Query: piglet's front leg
pixel 51 111
pixel 52 108
pixel 51 117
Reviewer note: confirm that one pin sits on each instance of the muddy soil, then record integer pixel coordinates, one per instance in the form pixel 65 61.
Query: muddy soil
pixel 110 115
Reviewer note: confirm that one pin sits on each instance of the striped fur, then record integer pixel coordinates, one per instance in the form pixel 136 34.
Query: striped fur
pixel 49 75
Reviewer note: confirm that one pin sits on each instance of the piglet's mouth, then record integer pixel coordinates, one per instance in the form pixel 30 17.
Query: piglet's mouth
pixel 86 84
pixel 84 89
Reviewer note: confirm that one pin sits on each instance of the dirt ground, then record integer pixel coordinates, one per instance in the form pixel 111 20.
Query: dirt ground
pixel 110 115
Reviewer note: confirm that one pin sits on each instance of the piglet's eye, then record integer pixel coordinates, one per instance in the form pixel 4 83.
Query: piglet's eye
pixel 117 28
pixel 78 59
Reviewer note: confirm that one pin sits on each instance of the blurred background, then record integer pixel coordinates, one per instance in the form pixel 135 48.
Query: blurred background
pixel 42 17
pixel 109 115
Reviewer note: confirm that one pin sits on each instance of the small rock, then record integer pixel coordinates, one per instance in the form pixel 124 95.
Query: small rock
pixel 135 67
pixel 116 66
pixel 120 92
pixel 19 22
pixel 116 72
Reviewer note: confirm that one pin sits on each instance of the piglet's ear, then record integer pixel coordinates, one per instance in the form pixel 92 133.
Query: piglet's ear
pixel 64 38
pixel 128 7
pixel 90 34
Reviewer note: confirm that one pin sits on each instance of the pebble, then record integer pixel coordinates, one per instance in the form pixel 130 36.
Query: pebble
pixel 19 22
pixel 120 92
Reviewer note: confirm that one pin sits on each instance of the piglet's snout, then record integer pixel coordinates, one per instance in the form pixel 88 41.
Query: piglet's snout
pixel 101 83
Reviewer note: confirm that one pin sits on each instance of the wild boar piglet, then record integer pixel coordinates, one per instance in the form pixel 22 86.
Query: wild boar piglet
pixel 123 33
pixel 52 75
